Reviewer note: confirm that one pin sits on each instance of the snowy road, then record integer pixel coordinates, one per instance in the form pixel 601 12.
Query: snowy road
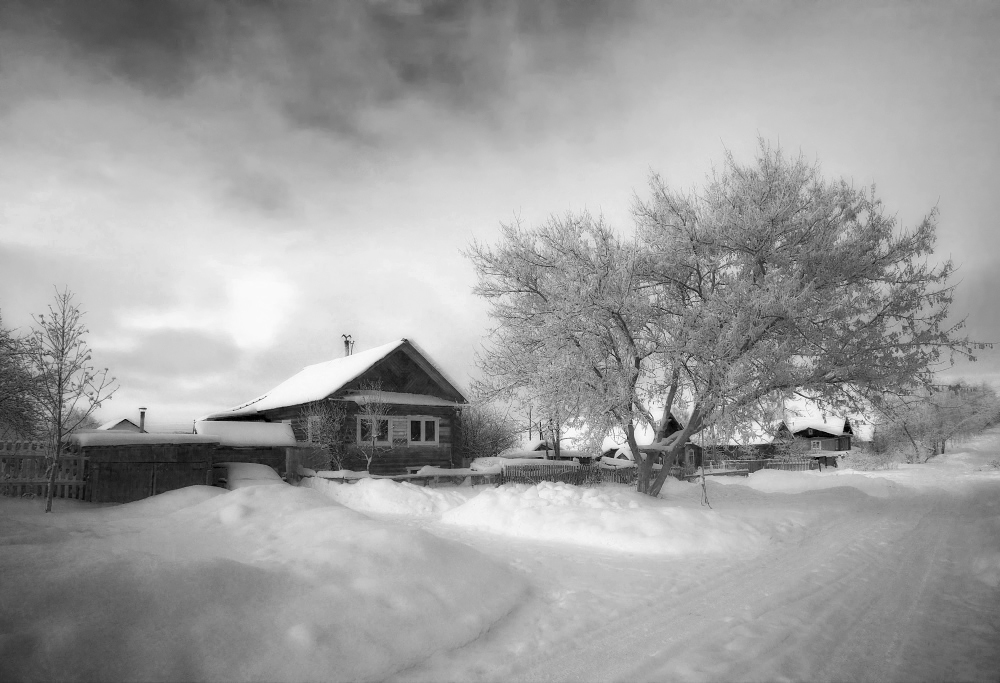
pixel 901 588
pixel 797 576
pixel 885 593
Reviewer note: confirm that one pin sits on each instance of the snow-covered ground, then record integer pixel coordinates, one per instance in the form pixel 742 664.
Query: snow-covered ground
pixel 839 575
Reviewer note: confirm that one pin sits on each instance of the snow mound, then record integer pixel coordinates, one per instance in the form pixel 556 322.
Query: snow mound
pixel 384 496
pixel 780 481
pixel 261 583
pixel 165 503
pixel 986 568
pixel 609 518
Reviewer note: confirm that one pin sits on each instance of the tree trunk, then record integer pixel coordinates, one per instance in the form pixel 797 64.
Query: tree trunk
pixel 661 432
pixel 692 427
pixel 53 469
pixel 645 467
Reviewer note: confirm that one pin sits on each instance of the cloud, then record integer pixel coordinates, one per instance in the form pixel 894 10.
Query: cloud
pixel 167 355
pixel 324 65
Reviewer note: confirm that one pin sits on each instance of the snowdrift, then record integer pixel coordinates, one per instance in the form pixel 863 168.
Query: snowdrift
pixel 384 496
pixel 609 518
pixel 779 481
pixel 262 583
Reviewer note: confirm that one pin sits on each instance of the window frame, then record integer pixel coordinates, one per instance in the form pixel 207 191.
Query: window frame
pixel 423 419
pixel 816 445
pixel 359 440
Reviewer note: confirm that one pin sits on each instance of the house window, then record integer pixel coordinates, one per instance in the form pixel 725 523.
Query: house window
pixel 423 430
pixel 816 445
pixel 381 428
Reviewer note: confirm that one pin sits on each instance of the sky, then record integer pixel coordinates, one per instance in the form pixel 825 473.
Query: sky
pixel 228 187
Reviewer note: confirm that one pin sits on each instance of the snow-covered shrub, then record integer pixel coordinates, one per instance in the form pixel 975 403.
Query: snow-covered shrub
pixel 866 458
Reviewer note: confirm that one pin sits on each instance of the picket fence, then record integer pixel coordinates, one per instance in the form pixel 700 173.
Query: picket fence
pixel 751 466
pixel 23 468
pixel 566 472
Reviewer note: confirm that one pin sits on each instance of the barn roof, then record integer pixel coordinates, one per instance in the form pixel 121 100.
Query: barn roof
pixel 316 382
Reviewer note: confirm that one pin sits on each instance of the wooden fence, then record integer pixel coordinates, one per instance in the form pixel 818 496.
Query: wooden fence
pixel 566 472
pixel 751 466
pixel 23 474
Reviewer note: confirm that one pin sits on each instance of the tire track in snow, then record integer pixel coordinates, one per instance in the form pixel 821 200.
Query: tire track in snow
pixel 847 603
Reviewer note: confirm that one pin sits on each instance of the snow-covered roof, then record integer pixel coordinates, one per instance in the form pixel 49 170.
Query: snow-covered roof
pixel 316 382
pixel 831 424
pixel 123 438
pixel 247 434
pixel 119 424
pixel 754 434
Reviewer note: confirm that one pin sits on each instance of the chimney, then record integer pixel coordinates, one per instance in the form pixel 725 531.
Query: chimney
pixel 142 420
pixel 348 344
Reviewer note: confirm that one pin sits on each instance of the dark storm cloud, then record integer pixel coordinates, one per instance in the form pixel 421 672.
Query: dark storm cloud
pixel 158 46
pixel 323 63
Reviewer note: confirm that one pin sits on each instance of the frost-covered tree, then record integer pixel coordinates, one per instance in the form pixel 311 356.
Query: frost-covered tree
pixel 70 389
pixel 767 281
pixel 573 337
pixel 922 425
pixel 19 418
pixel 783 282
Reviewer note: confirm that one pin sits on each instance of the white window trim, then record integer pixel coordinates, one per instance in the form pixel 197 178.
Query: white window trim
pixel 387 442
pixel 816 445
pixel 423 419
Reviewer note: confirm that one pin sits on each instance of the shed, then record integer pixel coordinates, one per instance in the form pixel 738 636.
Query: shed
pixel 127 466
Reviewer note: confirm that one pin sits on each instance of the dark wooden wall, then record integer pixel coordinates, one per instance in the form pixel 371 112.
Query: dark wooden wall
pixel 396 459
pixel 121 474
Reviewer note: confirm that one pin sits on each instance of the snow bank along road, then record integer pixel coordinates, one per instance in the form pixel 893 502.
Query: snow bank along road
pixel 839 576
pixel 885 590
pixel 899 583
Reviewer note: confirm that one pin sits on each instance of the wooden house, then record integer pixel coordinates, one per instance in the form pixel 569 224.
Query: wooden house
pixel 817 436
pixel 423 406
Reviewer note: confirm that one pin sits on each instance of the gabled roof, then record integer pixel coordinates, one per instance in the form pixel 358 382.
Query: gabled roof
pixel 123 423
pixel 831 424
pixel 317 382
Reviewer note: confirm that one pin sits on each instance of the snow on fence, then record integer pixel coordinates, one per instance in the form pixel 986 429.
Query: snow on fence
pixel 751 466
pixel 22 473
pixel 566 472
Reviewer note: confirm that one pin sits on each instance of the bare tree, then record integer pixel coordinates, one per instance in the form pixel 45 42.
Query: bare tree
pixel 484 431
pixel 376 430
pixel 70 389
pixel 326 423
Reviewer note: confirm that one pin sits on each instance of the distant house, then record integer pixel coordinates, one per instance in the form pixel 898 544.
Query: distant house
pixel 808 435
pixel 816 436
pixel 423 405
pixel 122 425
